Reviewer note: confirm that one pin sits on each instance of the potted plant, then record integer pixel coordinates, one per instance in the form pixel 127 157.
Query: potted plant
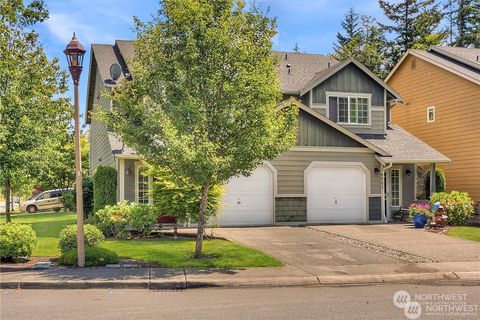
pixel 418 212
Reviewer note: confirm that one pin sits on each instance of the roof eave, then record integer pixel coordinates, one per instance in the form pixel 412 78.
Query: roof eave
pixel 454 57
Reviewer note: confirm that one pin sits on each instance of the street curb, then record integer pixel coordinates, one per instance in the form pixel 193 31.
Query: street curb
pixel 268 282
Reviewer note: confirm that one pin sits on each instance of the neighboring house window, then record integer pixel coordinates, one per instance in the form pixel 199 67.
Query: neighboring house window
pixel 431 114
pixel 353 110
pixel 142 186
pixel 395 187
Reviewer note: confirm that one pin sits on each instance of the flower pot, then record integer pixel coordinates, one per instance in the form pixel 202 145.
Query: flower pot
pixel 419 220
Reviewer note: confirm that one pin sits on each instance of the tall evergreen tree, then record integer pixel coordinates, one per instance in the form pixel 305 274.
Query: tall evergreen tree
pixel 415 24
pixel 464 22
pixel 363 40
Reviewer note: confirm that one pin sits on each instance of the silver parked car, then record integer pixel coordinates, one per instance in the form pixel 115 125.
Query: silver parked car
pixel 47 200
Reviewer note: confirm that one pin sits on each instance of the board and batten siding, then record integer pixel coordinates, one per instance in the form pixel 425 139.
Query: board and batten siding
pixel 314 132
pixel 353 80
pixel 291 167
pixel 456 130
pixel 100 149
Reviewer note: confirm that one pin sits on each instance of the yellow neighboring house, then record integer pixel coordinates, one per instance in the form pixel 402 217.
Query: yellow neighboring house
pixel 441 91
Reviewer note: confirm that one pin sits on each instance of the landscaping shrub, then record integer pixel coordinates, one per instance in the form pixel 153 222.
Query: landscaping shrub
pixel 104 187
pixel 178 198
pixel 440 181
pixel 113 220
pixel 68 237
pixel 70 201
pixel 94 257
pixel 458 206
pixel 16 241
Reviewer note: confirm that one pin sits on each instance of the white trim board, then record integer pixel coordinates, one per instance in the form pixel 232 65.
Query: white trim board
pixel 332 149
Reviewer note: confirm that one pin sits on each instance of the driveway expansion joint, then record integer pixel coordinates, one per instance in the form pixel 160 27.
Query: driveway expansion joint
pixel 373 247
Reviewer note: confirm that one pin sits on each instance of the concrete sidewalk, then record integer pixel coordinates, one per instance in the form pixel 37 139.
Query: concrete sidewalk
pixel 167 279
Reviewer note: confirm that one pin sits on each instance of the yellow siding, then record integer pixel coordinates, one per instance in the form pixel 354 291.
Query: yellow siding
pixel 456 130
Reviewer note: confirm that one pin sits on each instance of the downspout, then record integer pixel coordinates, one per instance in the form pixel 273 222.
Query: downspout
pixel 384 169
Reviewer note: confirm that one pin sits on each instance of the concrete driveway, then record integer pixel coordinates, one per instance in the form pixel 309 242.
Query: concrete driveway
pixel 302 246
pixel 406 238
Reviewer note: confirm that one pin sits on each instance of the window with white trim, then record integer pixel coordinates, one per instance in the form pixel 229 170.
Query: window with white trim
pixel 395 187
pixel 142 186
pixel 431 114
pixel 353 110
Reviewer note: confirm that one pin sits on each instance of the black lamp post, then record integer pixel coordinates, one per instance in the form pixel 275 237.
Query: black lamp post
pixel 75 52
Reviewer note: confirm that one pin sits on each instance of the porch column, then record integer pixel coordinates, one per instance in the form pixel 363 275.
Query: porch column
pixel 121 169
pixel 433 180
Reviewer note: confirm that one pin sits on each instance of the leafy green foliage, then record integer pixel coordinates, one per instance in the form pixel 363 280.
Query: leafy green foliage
pixel 17 241
pixel 104 187
pixel 414 24
pixel 464 22
pixel 33 112
pixel 176 197
pixel 70 201
pixel 458 206
pixel 440 181
pixel 204 104
pixel 113 220
pixel 68 237
pixel 364 41
pixel 94 257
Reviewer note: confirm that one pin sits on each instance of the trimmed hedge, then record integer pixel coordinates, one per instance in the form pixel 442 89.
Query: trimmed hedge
pixel 94 257
pixel 70 201
pixel 68 237
pixel 104 187
pixel 16 241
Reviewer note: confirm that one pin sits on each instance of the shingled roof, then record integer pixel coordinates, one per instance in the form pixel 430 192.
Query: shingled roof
pixel 404 147
pixel 464 62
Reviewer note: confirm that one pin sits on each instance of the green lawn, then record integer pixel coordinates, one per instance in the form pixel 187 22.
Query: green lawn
pixel 469 233
pixel 47 226
pixel 165 253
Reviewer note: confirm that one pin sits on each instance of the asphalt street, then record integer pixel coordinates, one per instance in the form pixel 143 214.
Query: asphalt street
pixel 352 302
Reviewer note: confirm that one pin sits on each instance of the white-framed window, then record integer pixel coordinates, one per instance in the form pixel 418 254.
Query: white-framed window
pixel 142 185
pixel 395 183
pixel 430 114
pixel 353 110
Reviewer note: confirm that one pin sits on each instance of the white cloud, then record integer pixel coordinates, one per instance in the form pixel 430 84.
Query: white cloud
pixel 62 26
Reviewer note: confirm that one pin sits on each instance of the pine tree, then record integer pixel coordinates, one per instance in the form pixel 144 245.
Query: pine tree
pixel 364 41
pixel 464 21
pixel 350 25
pixel 415 24
pixel 296 48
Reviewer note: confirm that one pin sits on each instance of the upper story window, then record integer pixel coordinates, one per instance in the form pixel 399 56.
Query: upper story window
pixel 353 110
pixel 431 114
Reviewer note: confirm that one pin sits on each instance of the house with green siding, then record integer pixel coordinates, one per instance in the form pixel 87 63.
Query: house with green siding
pixel 349 164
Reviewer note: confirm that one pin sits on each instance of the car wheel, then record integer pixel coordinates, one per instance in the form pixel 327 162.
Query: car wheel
pixel 32 209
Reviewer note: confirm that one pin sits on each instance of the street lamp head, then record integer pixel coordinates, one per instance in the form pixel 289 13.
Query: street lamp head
pixel 75 52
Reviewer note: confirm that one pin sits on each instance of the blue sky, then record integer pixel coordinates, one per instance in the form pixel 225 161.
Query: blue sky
pixel 310 23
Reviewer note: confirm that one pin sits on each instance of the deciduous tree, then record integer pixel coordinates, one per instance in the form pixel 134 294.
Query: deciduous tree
pixel 31 114
pixel 205 93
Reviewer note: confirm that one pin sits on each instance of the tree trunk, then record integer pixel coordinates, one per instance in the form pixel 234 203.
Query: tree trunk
pixel 7 201
pixel 201 222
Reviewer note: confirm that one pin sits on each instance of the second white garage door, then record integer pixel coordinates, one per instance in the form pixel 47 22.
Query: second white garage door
pixel 336 194
pixel 249 200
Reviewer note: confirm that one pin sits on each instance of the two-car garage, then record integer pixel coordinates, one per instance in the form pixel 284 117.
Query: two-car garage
pixel 335 192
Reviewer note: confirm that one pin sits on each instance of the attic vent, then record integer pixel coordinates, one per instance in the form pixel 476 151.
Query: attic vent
pixel 478 57
pixel 414 63
pixel 286 56
pixel 288 68
pixel 328 65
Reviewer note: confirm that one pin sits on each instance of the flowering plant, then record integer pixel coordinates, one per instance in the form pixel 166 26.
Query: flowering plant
pixel 419 208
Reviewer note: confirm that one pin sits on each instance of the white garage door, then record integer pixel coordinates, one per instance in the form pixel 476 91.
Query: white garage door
pixel 336 194
pixel 249 200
